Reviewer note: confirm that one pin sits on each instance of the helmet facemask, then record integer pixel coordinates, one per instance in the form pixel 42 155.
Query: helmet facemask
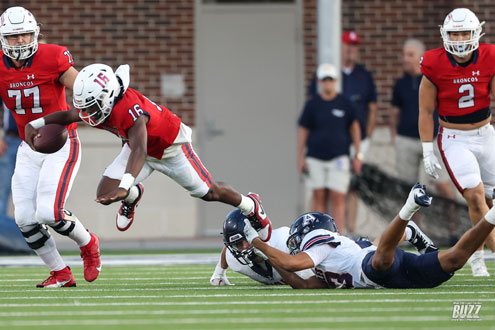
pixel 94 111
pixel 245 256
pixel 20 52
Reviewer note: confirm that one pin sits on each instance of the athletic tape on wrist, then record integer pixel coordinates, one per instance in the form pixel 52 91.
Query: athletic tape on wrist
pixel 490 216
pixel 127 181
pixel 37 123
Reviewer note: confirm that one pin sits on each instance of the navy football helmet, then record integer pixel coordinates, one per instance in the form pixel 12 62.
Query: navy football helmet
pixel 234 238
pixel 305 224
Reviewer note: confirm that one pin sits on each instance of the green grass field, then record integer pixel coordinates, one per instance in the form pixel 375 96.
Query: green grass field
pixel 180 297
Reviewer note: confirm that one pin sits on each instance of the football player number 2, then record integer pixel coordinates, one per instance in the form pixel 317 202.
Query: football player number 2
pixel 466 100
pixel 18 94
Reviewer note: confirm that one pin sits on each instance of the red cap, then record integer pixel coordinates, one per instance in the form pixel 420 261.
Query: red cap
pixel 350 37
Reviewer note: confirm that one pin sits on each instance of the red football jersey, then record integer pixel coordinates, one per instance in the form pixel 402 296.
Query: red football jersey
pixel 461 90
pixel 163 126
pixel 33 91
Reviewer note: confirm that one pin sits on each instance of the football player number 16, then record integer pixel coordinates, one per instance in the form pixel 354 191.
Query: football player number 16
pixel 466 100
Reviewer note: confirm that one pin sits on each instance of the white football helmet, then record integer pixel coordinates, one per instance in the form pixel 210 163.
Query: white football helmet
pixel 461 19
pixel 18 20
pixel 95 91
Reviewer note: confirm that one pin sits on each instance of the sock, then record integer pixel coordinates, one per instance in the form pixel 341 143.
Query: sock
pixel 408 233
pixel 408 210
pixel 133 195
pixel 246 206
pixel 79 234
pixel 50 255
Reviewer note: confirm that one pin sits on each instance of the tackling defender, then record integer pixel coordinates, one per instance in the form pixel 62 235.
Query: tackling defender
pixel 338 264
pixel 33 79
pixel 156 139
pixel 242 258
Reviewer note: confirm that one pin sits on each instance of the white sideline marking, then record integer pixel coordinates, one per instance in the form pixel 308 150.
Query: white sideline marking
pixel 246 320
pixel 244 302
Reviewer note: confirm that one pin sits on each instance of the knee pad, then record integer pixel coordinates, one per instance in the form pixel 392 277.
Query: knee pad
pixel 66 225
pixel 35 235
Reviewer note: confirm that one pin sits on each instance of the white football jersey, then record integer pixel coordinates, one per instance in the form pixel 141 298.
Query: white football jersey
pixel 337 259
pixel 264 272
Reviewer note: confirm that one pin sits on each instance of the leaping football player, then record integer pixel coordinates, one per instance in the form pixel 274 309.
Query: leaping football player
pixel 156 139
pixel 33 79
pixel 457 80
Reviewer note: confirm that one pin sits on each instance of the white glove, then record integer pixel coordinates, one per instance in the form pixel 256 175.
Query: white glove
pixel 431 163
pixel 249 231
pixel 219 277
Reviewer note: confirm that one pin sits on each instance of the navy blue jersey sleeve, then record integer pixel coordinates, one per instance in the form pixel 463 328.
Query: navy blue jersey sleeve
pixel 372 90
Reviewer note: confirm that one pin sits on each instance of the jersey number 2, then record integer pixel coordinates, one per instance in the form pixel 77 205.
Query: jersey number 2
pixel 27 92
pixel 467 100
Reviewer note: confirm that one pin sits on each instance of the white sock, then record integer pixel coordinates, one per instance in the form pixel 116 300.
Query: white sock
pixel 133 194
pixel 79 234
pixel 246 206
pixel 408 233
pixel 50 255
pixel 408 210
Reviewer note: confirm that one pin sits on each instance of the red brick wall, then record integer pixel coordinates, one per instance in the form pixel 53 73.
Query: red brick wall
pixel 153 36
pixel 157 37
pixel 384 25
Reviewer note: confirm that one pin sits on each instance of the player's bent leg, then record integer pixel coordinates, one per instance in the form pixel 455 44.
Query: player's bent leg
pixel 71 227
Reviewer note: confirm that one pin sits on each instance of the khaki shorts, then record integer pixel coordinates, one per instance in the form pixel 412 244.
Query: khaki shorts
pixel 332 174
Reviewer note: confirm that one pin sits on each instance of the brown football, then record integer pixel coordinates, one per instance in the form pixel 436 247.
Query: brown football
pixel 51 138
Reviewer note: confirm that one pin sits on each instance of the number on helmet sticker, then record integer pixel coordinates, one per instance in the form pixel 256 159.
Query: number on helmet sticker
pixel 466 101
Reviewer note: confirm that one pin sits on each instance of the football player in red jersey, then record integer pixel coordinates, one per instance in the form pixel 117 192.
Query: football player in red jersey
pixel 33 78
pixel 458 79
pixel 156 140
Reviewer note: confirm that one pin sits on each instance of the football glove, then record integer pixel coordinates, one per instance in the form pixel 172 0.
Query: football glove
pixel 219 277
pixel 431 163
pixel 249 231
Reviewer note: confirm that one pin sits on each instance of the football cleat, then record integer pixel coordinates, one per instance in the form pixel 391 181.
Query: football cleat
pixel 421 198
pixel 419 239
pixel 125 216
pixel 59 279
pixel 90 253
pixel 478 266
pixel 258 218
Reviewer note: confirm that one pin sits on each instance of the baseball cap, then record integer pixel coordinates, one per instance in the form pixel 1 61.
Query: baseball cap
pixel 350 37
pixel 326 71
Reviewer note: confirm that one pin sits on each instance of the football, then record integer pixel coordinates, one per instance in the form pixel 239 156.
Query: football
pixel 50 138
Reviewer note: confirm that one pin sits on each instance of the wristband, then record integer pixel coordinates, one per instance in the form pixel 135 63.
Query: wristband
pixel 490 216
pixel 427 147
pixel 37 123
pixel 127 181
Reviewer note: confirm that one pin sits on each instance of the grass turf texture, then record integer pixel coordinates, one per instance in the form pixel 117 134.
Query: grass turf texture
pixel 180 297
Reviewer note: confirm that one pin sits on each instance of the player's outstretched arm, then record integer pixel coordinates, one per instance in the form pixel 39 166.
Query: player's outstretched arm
pixel 297 282
pixel 138 140
pixel 291 263
pixel 59 117
pixel 219 276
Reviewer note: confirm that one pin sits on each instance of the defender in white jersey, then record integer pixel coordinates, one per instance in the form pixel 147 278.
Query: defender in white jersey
pixel 340 264
pixel 241 257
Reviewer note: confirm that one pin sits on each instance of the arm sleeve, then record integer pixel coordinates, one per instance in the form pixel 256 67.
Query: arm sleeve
pixel 64 60
pixel 372 89
pixel 426 67
pixel 395 96
pixel 318 253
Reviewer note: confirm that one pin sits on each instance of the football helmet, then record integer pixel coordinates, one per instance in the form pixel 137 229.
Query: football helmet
pixel 95 92
pixel 233 237
pixel 461 19
pixel 18 20
pixel 306 223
